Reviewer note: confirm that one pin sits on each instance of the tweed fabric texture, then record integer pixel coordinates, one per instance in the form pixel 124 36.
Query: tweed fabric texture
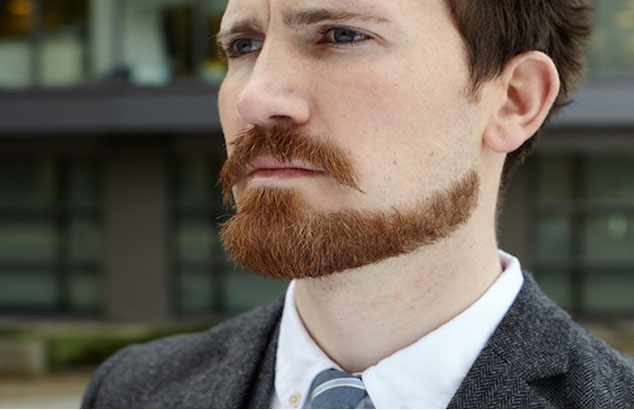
pixel 230 366
pixel 536 358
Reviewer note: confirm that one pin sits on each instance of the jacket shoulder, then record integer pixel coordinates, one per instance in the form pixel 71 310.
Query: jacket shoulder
pixel 576 369
pixel 162 372
pixel 597 375
pixel 538 357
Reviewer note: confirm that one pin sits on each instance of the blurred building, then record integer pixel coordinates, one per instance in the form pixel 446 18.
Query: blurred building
pixel 110 145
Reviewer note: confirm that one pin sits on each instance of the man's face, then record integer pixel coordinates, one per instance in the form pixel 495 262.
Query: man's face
pixel 389 88
pixel 385 82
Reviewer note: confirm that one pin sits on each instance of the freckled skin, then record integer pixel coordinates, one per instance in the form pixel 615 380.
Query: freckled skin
pixel 407 135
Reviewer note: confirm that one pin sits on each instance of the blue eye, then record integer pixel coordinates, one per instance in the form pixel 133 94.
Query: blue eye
pixel 244 46
pixel 345 35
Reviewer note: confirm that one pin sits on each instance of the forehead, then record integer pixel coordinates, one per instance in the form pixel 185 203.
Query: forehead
pixel 263 11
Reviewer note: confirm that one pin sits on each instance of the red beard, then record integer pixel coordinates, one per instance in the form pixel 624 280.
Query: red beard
pixel 275 233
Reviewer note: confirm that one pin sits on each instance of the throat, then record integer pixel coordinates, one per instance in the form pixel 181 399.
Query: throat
pixel 361 317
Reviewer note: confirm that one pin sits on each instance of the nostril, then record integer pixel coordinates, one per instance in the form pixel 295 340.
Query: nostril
pixel 283 121
pixel 263 105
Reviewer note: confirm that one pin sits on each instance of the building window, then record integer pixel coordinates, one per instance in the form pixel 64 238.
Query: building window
pixel 15 51
pixel 43 42
pixel 205 281
pixel 71 42
pixel 164 40
pixel 55 43
pixel 50 235
pixel 612 46
pixel 583 235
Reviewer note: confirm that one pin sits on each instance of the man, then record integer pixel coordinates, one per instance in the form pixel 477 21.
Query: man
pixel 366 141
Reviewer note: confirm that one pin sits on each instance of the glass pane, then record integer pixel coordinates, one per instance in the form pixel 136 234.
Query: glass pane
pixel 62 60
pixel 610 178
pixel 195 184
pixel 554 178
pixel 104 36
pixel 27 240
pixel 15 63
pixel 608 292
pixel 15 18
pixel 84 189
pixel 557 286
pixel 85 240
pixel 85 292
pixel 612 47
pixel 214 69
pixel 197 240
pixel 61 49
pixel 553 238
pixel 15 54
pixel 63 46
pixel 194 292
pixel 246 290
pixel 217 8
pixel 610 238
pixel 58 15
pixel 27 182
pixel 157 40
pixel 28 290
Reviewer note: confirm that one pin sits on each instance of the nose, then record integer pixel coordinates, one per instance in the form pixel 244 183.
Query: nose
pixel 276 90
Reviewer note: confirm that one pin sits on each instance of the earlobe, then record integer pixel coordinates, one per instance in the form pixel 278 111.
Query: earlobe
pixel 527 90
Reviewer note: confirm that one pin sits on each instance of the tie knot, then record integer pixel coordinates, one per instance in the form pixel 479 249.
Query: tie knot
pixel 334 389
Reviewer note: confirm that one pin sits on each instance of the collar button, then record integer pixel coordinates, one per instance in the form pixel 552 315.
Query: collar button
pixel 294 400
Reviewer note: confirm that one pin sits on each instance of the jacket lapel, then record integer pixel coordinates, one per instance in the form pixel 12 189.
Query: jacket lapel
pixel 530 344
pixel 263 383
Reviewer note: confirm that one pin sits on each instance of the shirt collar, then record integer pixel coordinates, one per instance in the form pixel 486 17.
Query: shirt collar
pixel 426 374
pixel 299 359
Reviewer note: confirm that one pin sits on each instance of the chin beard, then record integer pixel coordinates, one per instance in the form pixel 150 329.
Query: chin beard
pixel 275 234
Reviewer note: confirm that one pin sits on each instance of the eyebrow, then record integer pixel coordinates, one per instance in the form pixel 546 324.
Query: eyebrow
pixel 243 26
pixel 318 15
pixel 295 18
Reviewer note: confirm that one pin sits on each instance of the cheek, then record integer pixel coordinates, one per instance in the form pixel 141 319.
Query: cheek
pixel 391 95
pixel 361 94
pixel 224 101
pixel 227 112
pixel 405 124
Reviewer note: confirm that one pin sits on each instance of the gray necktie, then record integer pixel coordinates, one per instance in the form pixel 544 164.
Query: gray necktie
pixel 334 389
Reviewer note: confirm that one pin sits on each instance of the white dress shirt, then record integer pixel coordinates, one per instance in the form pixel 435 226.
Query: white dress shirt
pixel 426 374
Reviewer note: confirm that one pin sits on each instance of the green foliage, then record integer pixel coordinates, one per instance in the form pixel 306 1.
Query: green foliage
pixel 69 347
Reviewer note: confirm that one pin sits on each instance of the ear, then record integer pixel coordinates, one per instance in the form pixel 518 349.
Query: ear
pixel 527 90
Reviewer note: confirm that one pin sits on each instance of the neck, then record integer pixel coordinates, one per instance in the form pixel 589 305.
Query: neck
pixel 388 306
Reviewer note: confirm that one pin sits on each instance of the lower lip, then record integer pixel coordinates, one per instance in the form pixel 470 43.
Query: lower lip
pixel 286 173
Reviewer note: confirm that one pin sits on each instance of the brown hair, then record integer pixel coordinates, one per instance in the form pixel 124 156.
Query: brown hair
pixel 495 31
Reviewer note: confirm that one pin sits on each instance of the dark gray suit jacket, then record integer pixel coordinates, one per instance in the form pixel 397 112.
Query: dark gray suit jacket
pixel 537 358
